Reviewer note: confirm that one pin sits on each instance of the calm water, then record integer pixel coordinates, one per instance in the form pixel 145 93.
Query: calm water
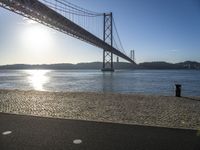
pixel 160 82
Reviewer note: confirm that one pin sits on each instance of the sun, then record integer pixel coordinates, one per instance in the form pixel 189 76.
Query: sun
pixel 36 38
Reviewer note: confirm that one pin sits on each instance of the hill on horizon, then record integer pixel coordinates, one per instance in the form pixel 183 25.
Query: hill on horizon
pixel 117 65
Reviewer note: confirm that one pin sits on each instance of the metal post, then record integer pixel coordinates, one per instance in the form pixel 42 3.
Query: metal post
pixel 178 90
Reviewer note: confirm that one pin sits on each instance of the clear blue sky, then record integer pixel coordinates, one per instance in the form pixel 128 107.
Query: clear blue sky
pixel 158 30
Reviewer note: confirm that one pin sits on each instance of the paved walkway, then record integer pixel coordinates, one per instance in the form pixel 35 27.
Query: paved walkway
pixel 37 133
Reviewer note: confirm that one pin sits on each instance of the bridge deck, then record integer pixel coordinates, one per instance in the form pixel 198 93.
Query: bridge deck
pixel 39 12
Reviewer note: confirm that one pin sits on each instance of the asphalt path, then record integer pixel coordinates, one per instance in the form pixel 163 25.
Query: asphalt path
pixel 19 132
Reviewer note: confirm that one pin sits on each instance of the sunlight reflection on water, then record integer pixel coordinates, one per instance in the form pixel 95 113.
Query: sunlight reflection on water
pixel 37 78
pixel 160 82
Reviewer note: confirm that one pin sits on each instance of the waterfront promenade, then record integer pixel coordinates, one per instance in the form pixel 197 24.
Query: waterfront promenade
pixel 151 110
pixel 95 121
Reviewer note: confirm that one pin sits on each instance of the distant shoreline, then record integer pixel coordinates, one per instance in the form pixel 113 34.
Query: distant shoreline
pixel 117 65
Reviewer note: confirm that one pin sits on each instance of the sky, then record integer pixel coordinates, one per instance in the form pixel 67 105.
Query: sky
pixel 158 30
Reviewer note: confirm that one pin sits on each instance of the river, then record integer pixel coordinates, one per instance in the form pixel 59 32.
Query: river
pixel 159 82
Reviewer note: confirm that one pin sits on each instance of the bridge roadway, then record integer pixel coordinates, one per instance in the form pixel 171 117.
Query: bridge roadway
pixel 35 10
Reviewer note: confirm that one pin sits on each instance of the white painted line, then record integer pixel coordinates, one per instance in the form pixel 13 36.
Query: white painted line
pixel 6 132
pixel 77 141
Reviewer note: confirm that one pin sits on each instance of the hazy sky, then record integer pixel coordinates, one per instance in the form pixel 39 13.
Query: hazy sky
pixel 158 30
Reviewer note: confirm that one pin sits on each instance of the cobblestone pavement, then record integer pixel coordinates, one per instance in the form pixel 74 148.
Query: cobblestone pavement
pixel 150 110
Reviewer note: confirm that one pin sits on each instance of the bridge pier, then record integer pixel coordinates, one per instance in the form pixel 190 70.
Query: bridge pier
pixel 107 61
pixel 107 70
pixel 108 38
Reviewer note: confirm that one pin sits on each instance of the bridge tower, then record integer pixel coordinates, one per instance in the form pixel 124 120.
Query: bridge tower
pixel 108 38
pixel 132 55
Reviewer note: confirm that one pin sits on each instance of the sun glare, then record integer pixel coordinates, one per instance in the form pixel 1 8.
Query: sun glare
pixel 36 38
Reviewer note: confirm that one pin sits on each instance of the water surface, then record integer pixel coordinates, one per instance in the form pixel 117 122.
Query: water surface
pixel 160 82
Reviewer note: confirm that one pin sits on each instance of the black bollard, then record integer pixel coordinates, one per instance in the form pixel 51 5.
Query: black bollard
pixel 178 90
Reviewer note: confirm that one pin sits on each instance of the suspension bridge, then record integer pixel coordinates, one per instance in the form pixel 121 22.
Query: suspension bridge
pixel 75 21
